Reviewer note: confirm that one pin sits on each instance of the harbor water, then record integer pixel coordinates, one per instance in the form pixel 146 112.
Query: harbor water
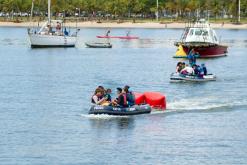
pixel 45 97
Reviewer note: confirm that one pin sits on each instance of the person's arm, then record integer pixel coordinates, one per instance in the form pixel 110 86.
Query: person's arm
pixel 95 98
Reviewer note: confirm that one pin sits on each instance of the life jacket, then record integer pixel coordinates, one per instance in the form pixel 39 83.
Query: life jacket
pixel 130 98
pixel 125 99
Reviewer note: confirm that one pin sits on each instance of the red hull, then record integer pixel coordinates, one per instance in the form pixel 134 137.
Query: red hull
pixel 120 37
pixel 209 51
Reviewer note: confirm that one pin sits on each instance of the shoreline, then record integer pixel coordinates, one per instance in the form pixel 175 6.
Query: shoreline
pixel 148 25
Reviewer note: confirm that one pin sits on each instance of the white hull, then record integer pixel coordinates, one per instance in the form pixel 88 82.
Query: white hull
pixel 39 40
pixel 176 77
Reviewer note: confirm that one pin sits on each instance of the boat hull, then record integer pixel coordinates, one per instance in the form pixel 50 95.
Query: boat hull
pixel 39 41
pixel 119 37
pixel 109 110
pixel 98 45
pixel 176 77
pixel 205 50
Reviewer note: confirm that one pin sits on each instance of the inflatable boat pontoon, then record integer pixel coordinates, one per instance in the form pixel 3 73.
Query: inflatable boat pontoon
pixel 176 77
pixel 134 110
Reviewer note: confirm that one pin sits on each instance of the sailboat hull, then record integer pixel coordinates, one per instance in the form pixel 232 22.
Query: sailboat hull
pixel 38 40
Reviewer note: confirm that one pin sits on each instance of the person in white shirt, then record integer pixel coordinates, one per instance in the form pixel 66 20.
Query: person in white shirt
pixel 187 70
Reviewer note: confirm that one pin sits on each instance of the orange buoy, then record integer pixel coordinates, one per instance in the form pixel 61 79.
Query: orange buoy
pixel 155 100
pixel 139 98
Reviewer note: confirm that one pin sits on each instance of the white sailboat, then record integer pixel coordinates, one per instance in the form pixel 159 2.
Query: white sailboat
pixel 52 33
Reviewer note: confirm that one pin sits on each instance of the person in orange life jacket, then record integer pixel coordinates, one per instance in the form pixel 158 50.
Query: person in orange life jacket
pixel 129 96
pixel 98 98
pixel 121 101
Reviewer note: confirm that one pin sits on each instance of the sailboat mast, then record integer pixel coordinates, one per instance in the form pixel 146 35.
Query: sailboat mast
pixel 49 12
pixel 239 12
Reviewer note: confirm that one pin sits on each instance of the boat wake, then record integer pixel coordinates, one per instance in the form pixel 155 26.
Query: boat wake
pixel 101 116
pixel 204 104
pixel 209 104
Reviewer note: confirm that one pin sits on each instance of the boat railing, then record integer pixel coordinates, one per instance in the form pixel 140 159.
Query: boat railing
pixel 197 24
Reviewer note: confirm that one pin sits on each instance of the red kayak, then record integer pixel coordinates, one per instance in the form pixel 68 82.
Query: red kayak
pixel 119 37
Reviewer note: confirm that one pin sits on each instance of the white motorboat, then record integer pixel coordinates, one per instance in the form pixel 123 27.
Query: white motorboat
pixel 201 37
pixel 52 33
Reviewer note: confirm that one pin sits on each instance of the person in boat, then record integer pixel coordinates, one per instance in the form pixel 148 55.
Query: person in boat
pixel 187 70
pixel 48 29
pixel 66 33
pixel 102 89
pixel 183 65
pixel 98 98
pixel 129 96
pixel 179 67
pixel 204 69
pixel 108 32
pixel 197 70
pixel 192 57
pixel 127 33
pixel 58 27
pixel 108 95
pixel 121 100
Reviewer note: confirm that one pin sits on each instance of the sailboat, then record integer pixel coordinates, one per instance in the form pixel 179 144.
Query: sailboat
pixel 52 33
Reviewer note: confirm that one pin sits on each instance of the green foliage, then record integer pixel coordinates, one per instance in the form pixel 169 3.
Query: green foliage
pixel 127 8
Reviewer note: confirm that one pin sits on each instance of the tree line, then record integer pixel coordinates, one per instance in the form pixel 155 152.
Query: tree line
pixel 131 8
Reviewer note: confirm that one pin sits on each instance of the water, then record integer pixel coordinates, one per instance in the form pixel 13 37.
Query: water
pixel 45 96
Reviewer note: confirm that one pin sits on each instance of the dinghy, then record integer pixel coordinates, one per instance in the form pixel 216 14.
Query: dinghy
pixel 98 45
pixel 110 110
pixel 177 77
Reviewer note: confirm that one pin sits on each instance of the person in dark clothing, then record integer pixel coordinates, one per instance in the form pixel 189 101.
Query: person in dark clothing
pixel 196 70
pixel 121 101
pixel 108 32
pixel 192 57
pixel 130 96
pixel 204 69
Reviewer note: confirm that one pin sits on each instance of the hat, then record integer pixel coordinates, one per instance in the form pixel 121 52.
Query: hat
pixel 127 87
pixel 119 89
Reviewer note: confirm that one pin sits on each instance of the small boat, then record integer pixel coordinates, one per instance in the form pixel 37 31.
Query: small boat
pixel 109 110
pixel 177 77
pixel 98 45
pixel 202 38
pixel 119 37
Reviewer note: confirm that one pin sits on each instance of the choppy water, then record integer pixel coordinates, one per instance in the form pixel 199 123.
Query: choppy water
pixel 45 96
